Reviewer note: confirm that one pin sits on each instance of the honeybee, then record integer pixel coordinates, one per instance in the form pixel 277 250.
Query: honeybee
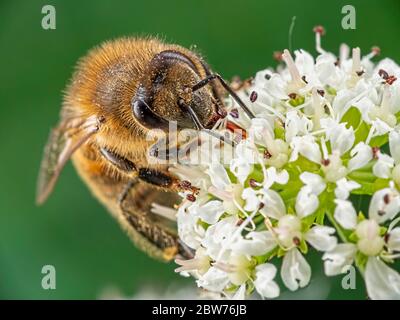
pixel 119 91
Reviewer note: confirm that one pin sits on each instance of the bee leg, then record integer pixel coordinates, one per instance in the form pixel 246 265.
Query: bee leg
pixel 165 180
pixel 176 154
pixel 185 251
pixel 125 192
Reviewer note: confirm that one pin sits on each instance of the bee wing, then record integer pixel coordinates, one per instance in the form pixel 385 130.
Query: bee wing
pixel 63 141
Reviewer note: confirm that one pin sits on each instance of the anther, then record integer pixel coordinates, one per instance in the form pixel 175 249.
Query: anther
pixel 267 155
pixel 383 74
pixel 381 212
pixel 278 56
pixel 386 198
pixel 376 50
pixel 253 96
pixel 320 30
pixel 375 152
pixel 253 183
pixel 325 162
pixel 234 113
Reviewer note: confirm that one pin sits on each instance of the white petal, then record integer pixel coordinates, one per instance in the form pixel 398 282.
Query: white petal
pixel 275 86
pixel 251 198
pixel 264 282
pixel 382 282
pixel 240 294
pixel 247 151
pixel 394 239
pixel 190 232
pixel 214 280
pixel 211 211
pixel 256 243
pixel 314 181
pixel 339 259
pixel 217 238
pixel 295 271
pixel 341 138
pixel 241 169
pixel 361 154
pixel 394 144
pixel 307 147
pixel 274 207
pixel 381 127
pixel 344 187
pixel 218 175
pixel 272 176
pixel 379 209
pixel 261 130
pixel 306 202
pixel 345 214
pixel 296 125
pixel 321 238
pixel 383 167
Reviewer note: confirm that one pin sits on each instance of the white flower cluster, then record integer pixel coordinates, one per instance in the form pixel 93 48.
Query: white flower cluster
pixel 316 144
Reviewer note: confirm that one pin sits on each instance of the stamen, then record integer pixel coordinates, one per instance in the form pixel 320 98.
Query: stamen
pixel 356 67
pixel 188 265
pixel 319 31
pixel 163 211
pixel 324 150
pixel 224 267
pixel 297 81
pixel 318 109
pixel 343 53
pixel 393 224
pixel 375 51
pixel 370 135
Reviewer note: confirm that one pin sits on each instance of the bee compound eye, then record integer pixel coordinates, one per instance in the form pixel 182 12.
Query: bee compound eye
pixel 146 117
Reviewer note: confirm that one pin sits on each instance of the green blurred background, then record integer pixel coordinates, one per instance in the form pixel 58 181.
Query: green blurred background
pixel 72 231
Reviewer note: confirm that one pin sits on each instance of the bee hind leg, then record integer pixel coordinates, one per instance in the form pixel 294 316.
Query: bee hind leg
pixel 125 192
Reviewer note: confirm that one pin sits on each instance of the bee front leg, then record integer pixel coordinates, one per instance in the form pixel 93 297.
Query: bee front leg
pixel 165 180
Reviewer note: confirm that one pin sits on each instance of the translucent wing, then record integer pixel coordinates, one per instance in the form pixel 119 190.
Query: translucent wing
pixel 63 141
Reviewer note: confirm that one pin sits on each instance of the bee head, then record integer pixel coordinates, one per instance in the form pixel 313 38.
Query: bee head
pixel 165 94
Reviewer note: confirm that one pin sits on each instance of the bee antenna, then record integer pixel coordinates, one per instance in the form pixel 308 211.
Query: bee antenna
pixel 214 76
